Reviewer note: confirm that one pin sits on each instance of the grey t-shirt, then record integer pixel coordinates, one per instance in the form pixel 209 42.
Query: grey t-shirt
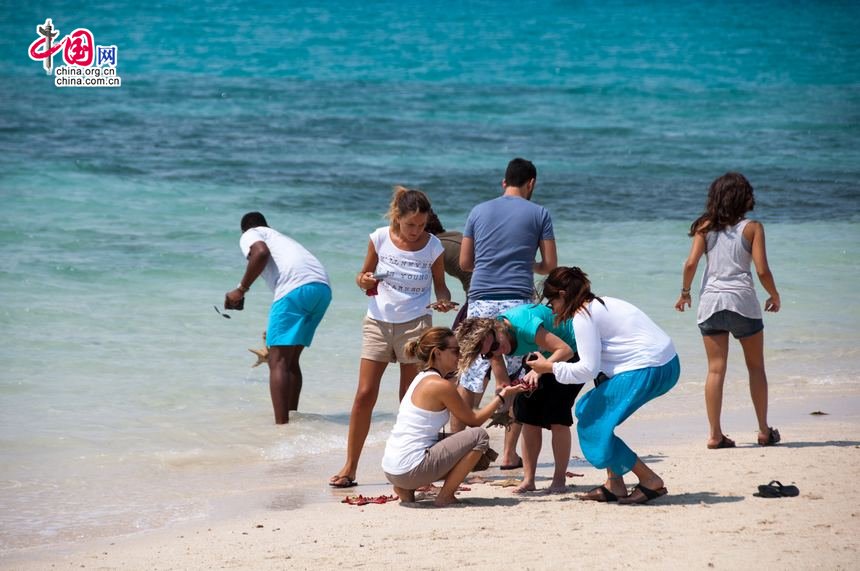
pixel 507 232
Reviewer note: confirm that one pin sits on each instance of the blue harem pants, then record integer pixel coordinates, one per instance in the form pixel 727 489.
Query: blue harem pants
pixel 606 406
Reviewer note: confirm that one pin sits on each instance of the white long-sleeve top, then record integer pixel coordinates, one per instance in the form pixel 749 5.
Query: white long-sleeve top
pixel 612 339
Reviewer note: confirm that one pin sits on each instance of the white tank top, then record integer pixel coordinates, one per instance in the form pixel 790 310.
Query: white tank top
pixel 727 282
pixel 415 430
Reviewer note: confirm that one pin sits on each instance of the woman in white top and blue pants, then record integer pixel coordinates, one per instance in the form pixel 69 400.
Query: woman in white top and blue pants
pixel 631 361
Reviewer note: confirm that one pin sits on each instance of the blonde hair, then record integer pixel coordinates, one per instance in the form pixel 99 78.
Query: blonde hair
pixel 422 348
pixel 404 202
pixel 471 334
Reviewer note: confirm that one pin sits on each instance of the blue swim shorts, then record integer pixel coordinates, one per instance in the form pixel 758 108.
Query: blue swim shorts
pixel 732 322
pixel 294 318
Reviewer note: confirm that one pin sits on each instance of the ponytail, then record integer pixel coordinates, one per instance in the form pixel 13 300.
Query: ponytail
pixel 404 202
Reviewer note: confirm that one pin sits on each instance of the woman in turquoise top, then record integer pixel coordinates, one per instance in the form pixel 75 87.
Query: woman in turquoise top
pixel 519 331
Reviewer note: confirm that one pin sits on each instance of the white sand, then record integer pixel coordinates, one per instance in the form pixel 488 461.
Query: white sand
pixel 709 520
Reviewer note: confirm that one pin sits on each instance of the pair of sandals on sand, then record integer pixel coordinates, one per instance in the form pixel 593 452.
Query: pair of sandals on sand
pixel 772 438
pixel 774 489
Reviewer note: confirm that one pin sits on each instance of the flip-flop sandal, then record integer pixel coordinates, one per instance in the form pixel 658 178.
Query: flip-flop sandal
pixel 343 482
pixel 725 442
pixel 776 490
pixel 772 437
pixel 647 495
pixel 516 466
pixel 598 494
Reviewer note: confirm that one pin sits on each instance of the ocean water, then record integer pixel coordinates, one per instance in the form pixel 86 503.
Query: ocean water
pixel 127 403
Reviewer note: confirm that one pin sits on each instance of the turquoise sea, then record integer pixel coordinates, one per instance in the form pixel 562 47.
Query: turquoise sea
pixel 127 403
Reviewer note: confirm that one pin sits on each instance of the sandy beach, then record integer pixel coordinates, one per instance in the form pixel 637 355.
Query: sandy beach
pixel 710 519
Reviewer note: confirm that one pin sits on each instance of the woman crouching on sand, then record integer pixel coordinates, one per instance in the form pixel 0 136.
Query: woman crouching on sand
pixel 631 360
pixel 413 457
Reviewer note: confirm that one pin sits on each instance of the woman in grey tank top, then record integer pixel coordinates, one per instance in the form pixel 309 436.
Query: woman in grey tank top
pixel 727 298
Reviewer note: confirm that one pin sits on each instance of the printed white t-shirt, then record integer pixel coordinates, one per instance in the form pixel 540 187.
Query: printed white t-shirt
pixel 405 294
pixel 290 265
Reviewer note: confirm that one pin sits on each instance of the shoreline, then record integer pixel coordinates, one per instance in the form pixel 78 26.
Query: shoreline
pixel 709 516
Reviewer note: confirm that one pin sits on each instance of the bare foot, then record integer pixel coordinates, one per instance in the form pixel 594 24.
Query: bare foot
pixel 557 489
pixel 338 481
pixel 443 502
pixel 343 473
pixel 404 494
pixel 523 488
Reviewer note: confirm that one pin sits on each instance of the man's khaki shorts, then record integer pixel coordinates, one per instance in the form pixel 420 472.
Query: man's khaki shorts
pixel 382 341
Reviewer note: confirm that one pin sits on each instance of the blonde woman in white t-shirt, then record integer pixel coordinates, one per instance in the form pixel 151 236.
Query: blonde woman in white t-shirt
pixel 403 262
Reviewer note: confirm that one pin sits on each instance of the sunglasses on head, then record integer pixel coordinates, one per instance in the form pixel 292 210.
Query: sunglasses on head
pixel 494 346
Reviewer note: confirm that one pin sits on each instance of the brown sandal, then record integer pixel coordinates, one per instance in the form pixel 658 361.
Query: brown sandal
pixel 772 437
pixel 725 442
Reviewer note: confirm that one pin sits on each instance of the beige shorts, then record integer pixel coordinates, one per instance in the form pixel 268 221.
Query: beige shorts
pixel 382 341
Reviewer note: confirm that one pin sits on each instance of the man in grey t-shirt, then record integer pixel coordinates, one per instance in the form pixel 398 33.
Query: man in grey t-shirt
pixel 499 244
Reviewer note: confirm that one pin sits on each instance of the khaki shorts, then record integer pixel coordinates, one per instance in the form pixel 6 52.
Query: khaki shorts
pixel 382 341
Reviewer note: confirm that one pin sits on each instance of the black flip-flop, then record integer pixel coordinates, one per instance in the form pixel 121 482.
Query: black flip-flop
pixel 340 483
pixel 647 495
pixel 776 490
pixel 512 466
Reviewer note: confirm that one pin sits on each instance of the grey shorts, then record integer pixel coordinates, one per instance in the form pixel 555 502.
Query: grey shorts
pixel 727 321
pixel 441 458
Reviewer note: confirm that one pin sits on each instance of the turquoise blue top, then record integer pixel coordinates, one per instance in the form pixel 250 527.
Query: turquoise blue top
pixel 527 318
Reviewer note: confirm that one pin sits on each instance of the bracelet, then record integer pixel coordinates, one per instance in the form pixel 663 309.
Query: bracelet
pixel 501 398
pixel 685 290
pixel 242 288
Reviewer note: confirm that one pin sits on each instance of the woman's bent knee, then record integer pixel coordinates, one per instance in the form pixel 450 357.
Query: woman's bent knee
pixel 482 438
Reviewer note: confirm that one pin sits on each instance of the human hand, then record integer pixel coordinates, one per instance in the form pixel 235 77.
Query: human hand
pixel 772 303
pixel 233 299
pixel 366 281
pixel 443 305
pixel 530 380
pixel 539 363
pixel 683 299
pixel 510 391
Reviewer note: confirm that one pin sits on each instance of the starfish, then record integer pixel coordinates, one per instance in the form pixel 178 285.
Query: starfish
pixel 510 482
pixel 500 419
pixel 262 354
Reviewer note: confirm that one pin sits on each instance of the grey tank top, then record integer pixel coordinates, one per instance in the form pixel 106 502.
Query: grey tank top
pixel 727 282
